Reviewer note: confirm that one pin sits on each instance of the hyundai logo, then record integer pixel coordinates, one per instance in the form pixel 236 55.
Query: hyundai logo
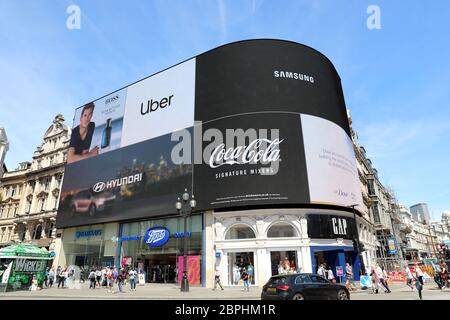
pixel 99 187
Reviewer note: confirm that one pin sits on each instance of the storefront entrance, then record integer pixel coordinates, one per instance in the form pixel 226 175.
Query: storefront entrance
pixel 336 257
pixel 161 268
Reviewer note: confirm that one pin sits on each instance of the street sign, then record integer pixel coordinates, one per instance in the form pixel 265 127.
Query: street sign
pixel 339 271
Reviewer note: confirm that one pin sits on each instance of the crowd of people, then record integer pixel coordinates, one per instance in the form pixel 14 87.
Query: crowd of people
pixel 98 277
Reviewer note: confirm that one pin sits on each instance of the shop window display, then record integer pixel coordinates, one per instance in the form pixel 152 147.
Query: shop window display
pixel 284 262
pixel 237 262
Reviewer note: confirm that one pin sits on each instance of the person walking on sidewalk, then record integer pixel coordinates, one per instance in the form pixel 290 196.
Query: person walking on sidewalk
pixel 409 277
pixel 121 278
pixel 419 287
pixel 375 281
pixel 217 280
pixel 244 277
pixel 98 277
pixel 133 275
pixel 91 278
pixel 418 273
pixel 382 275
pixel 51 277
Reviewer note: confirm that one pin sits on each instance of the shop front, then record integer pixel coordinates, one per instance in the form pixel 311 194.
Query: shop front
pixel 332 243
pixel 89 246
pixel 155 248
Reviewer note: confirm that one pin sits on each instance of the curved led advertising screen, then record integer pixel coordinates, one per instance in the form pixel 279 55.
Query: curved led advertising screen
pixel 250 123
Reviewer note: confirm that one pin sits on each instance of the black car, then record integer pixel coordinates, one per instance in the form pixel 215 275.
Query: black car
pixel 303 286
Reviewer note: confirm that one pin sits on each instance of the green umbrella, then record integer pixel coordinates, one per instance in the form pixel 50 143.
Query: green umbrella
pixel 23 250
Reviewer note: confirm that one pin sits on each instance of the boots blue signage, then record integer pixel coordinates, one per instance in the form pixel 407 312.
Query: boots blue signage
pixel 156 236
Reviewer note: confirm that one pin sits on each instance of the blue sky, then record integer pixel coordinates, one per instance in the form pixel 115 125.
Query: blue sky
pixel 396 80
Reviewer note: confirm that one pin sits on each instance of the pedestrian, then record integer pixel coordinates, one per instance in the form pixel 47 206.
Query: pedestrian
pixel 110 277
pixel 330 275
pixel 375 281
pixel 409 277
pixel 98 277
pixel 418 273
pixel 121 276
pixel 104 278
pixel 419 287
pixel 133 275
pixel 51 277
pixel 46 277
pixel 437 274
pixel 58 275
pixel 62 278
pixel 349 274
pixel 217 280
pixel 382 278
pixel 244 277
pixel 321 271
pixel 91 278
pixel 444 276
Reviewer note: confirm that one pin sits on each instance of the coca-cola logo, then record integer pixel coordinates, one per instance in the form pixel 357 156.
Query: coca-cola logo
pixel 252 153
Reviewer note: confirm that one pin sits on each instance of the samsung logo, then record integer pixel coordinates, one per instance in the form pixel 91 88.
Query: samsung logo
pixel 100 186
pixel 293 75
pixel 88 233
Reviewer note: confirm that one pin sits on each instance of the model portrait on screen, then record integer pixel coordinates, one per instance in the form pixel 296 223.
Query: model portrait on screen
pixel 81 138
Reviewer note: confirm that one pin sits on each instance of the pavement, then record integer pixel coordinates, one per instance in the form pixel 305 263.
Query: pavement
pixel 172 292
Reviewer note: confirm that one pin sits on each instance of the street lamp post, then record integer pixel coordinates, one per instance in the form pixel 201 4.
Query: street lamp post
pixel 179 206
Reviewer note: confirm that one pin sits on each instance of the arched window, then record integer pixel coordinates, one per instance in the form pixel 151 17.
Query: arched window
pixel 281 230
pixel 240 231
pixel 37 232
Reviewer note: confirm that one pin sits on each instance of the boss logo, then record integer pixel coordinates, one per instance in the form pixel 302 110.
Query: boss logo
pixel 110 100
pixel 99 187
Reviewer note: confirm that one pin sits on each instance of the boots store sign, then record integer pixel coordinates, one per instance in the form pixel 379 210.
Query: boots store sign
pixel 236 124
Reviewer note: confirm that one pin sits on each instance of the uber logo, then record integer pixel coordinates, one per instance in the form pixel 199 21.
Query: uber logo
pixel 339 226
pixel 153 105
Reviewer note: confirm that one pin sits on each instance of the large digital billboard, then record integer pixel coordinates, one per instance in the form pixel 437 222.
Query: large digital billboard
pixel 250 123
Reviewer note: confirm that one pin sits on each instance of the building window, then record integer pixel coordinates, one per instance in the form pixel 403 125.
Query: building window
pixel 46 184
pixel 28 207
pixel 42 204
pixel 16 208
pixel 13 191
pixel 19 190
pixel 238 261
pixel 39 166
pixel 281 230
pixel 376 214
pixel 37 232
pixel 51 161
pixel 2 211
pixel 370 187
pixel 240 231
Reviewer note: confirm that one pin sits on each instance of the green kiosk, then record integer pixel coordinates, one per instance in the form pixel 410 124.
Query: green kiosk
pixel 20 264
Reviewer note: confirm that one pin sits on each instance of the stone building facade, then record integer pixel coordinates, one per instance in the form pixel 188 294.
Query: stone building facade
pixel 30 193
